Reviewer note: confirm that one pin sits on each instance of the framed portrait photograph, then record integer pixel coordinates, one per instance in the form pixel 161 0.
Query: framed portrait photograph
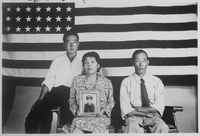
pixel 89 103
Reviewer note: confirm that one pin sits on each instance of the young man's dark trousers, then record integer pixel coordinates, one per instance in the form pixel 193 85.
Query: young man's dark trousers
pixel 39 120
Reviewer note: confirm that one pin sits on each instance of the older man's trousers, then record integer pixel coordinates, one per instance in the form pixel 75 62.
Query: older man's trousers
pixel 136 124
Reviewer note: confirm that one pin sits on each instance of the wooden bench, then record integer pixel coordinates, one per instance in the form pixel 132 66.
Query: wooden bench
pixel 116 119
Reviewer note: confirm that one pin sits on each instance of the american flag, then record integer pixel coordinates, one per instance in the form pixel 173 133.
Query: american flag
pixel 32 37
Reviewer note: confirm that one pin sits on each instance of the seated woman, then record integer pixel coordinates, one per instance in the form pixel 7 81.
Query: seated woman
pixel 91 79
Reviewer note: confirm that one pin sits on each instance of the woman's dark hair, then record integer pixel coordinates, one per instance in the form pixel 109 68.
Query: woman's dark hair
pixel 92 54
pixel 70 32
pixel 137 52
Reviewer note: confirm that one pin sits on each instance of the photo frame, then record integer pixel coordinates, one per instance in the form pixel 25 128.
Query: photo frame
pixel 89 103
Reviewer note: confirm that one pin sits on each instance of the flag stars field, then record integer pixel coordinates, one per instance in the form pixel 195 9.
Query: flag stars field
pixel 43 17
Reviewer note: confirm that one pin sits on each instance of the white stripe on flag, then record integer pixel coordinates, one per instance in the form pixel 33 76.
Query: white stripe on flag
pixel 155 70
pixel 33 38
pixel 140 35
pixel 131 19
pixel 103 36
pixel 128 3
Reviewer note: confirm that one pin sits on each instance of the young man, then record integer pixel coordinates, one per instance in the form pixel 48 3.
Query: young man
pixel 142 98
pixel 56 88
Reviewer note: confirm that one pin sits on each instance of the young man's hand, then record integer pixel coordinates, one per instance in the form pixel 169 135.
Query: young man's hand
pixel 35 105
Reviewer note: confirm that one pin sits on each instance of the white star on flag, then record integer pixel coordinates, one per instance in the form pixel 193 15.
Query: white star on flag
pixel 8 9
pixel 18 19
pixel 18 29
pixel 38 28
pixel 8 18
pixel 58 28
pixel 58 9
pixel 68 28
pixel 18 9
pixel 28 29
pixel 38 18
pixel 8 28
pixel 69 9
pixel 28 9
pixel 58 19
pixel 38 9
pixel 28 19
pixel 48 19
pixel 69 18
pixel 47 29
pixel 48 9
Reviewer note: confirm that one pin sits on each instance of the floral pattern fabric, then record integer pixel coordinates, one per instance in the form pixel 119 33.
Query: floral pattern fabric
pixel 105 89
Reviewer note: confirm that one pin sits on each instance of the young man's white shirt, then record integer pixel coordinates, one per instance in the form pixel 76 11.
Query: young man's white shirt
pixel 62 71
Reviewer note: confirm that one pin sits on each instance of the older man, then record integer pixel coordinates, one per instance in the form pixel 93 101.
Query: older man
pixel 142 98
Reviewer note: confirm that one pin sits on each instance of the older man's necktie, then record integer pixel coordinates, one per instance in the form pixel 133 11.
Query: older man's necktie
pixel 144 95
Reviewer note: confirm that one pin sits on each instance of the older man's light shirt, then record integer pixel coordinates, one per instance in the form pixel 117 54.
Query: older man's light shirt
pixel 62 71
pixel 130 93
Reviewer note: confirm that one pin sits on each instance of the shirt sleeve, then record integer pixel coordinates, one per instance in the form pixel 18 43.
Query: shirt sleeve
pixel 72 100
pixel 159 103
pixel 50 77
pixel 110 99
pixel 125 104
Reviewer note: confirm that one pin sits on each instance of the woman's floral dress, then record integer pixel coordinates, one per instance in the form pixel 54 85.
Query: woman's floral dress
pixel 92 123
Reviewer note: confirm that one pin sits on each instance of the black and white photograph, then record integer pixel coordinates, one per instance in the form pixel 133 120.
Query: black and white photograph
pixel 89 103
pixel 100 66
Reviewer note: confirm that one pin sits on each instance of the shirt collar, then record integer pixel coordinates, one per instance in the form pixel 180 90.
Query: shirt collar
pixel 138 78
pixel 74 60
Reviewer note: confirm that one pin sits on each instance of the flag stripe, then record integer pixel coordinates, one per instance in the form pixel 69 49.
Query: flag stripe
pixel 138 27
pixel 105 54
pixel 139 35
pixel 130 3
pixel 155 70
pixel 104 62
pixel 178 80
pixel 106 36
pixel 136 10
pixel 131 19
pixel 101 45
pixel 109 71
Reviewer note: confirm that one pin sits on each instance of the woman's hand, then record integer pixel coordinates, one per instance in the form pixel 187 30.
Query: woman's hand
pixel 102 111
pixel 78 114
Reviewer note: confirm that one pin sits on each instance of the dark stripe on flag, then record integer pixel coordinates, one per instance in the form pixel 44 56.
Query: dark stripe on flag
pixel 22 81
pixel 137 10
pixel 153 62
pixel 137 27
pixel 192 43
pixel 182 80
pixel 104 62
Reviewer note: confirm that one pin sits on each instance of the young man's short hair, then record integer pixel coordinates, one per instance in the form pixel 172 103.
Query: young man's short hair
pixel 70 32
